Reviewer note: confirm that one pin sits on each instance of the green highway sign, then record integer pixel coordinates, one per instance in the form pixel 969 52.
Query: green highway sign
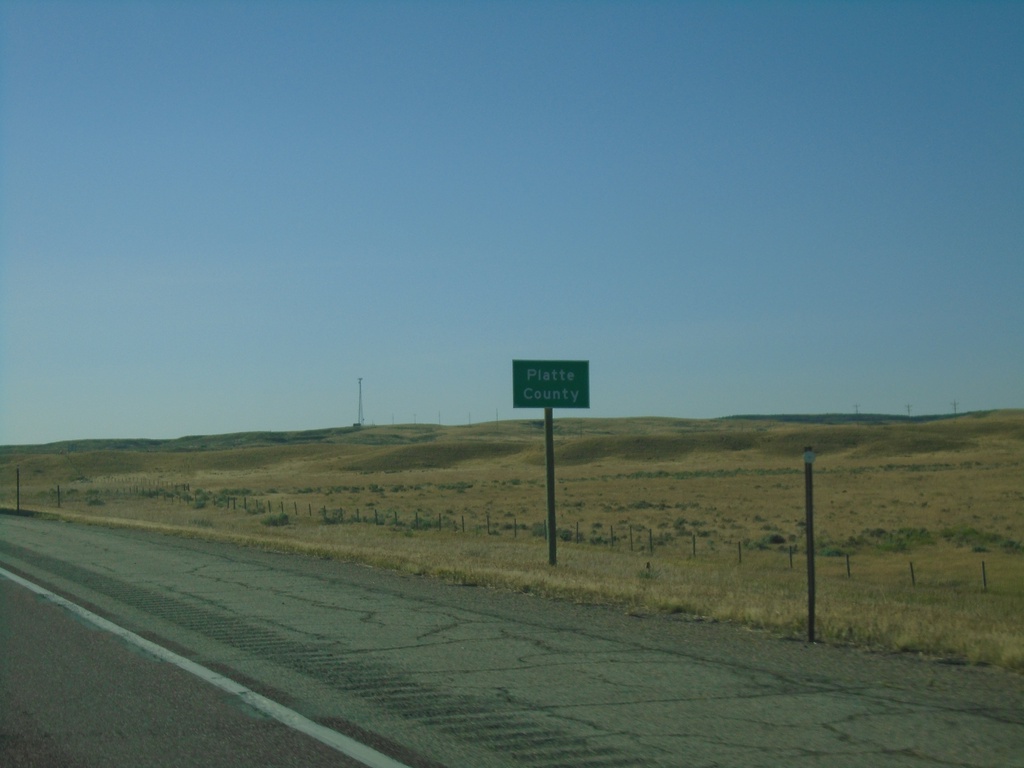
pixel 550 383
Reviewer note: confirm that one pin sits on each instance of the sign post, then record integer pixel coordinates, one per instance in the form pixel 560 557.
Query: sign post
pixel 549 463
pixel 809 527
pixel 548 384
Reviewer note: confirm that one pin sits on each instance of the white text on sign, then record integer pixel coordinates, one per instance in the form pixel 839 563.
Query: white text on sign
pixel 538 375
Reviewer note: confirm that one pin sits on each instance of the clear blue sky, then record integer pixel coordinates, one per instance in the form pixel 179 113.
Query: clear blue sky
pixel 217 216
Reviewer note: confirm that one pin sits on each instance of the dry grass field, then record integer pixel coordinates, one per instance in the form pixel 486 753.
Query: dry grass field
pixel 701 518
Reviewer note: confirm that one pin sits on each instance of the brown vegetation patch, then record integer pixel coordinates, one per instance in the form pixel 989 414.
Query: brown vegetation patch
pixel 433 455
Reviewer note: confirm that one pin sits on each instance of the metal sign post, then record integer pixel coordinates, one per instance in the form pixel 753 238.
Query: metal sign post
pixel 809 503
pixel 547 384
pixel 549 462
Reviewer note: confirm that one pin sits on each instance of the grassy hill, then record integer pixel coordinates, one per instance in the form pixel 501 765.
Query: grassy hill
pixel 752 428
pixel 715 507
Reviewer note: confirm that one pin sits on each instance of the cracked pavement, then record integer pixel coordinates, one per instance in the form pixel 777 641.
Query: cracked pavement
pixel 465 676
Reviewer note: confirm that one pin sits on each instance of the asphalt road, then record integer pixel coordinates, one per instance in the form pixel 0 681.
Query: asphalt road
pixel 72 696
pixel 437 675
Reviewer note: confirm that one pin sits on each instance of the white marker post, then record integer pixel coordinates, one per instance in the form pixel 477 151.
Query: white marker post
pixel 547 384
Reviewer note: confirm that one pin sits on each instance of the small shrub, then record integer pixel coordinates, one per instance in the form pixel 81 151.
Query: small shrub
pixel 277 520
pixel 903 539
pixel 893 545
pixel 979 541
pixel 767 541
pixel 459 487
pixel 332 517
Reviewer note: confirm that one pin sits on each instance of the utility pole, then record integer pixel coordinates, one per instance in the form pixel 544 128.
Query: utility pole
pixel 955 404
pixel 360 422
pixel 908 410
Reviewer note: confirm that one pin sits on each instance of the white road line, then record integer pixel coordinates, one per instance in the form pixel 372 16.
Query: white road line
pixel 347 746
